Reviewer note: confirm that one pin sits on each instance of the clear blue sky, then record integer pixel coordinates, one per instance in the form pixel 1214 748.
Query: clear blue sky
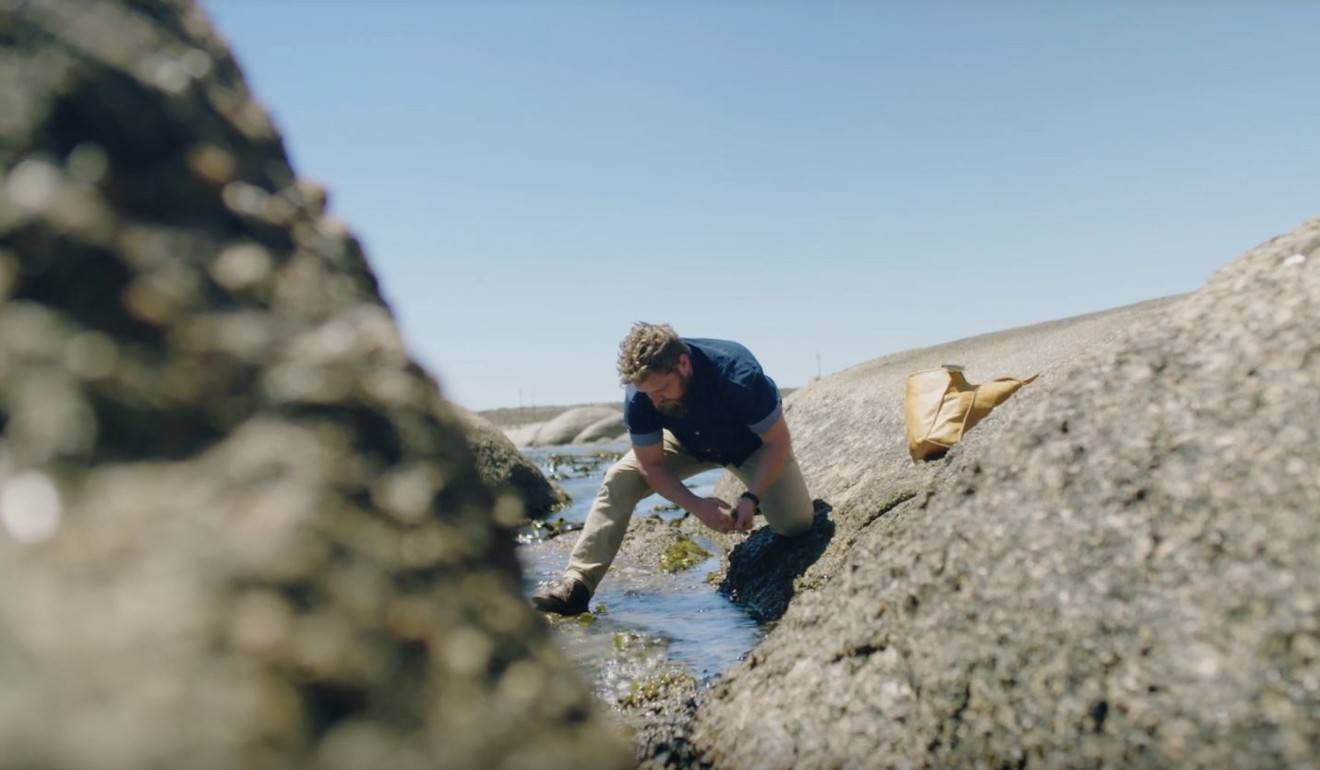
pixel 811 179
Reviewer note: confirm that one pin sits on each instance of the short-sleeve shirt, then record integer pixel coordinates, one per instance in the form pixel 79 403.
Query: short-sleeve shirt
pixel 729 402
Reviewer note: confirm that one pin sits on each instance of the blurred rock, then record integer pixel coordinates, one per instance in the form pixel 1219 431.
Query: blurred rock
pixel 503 467
pixel 1115 569
pixel 523 435
pixel 238 525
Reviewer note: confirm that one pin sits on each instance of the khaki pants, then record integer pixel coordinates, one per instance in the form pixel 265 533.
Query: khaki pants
pixel 786 505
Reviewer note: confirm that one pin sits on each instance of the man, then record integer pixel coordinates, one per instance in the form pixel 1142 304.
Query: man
pixel 691 405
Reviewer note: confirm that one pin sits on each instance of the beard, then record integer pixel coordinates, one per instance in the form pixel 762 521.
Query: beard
pixel 676 408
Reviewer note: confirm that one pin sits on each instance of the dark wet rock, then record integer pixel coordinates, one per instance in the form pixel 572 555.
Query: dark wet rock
pixel 503 468
pixel 1115 569
pixel 766 593
pixel 238 525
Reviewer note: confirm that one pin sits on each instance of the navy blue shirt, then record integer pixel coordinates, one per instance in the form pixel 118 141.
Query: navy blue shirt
pixel 728 403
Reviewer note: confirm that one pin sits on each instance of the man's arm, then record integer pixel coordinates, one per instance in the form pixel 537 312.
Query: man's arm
pixel 712 511
pixel 777 442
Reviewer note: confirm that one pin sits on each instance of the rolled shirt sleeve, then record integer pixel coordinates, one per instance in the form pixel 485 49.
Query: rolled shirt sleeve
pixel 763 425
pixel 642 419
pixel 753 396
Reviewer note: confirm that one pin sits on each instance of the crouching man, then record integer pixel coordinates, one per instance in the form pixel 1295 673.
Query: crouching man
pixel 690 405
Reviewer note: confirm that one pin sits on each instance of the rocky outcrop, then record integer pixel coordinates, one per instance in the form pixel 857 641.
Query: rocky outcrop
pixel 849 437
pixel 238 525
pixel 503 468
pixel 561 426
pixel 608 428
pixel 1115 569
pixel 523 435
pixel 571 426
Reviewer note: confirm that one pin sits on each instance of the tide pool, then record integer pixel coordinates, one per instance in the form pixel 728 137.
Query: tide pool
pixel 653 622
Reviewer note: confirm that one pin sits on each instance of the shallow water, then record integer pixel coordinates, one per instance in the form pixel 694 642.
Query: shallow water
pixel 652 622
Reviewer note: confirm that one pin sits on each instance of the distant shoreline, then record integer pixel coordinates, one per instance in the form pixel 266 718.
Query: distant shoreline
pixel 518 416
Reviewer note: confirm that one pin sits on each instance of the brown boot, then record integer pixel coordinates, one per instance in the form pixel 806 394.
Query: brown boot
pixel 569 596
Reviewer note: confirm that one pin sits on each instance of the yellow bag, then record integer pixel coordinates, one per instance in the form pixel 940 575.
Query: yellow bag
pixel 940 406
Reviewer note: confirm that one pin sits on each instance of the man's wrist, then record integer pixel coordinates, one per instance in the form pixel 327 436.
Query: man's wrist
pixel 749 495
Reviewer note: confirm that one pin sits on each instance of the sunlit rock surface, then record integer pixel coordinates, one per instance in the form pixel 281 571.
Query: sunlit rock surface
pixel 848 434
pixel 609 428
pixel 1116 569
pixel 579 425
pixel 238 525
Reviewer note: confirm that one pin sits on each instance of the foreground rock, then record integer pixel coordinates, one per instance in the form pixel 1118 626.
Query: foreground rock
pixel 1116 569
pixel 240 527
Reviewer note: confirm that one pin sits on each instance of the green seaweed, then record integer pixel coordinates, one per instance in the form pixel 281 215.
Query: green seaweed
pixel 644 691
pixel 683 554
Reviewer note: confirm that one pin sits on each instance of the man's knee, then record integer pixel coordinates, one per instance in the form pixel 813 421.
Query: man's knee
pixel 624 481
pixel 796 526
pixel 624 472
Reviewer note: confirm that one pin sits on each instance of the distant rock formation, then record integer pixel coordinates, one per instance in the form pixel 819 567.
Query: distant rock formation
pixel 239 527
pixel 579 425
pixel 1116 569
pixel 522 435
pixel 608 428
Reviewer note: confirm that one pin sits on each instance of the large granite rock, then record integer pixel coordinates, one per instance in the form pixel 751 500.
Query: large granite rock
pixel 608 428
pixel 848 434
pixel 567 427
pixel 523 435
pixel 1116 569
pixel 239 527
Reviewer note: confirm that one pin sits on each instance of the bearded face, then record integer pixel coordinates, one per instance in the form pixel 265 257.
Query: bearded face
pixel 668 390
pixel 675 409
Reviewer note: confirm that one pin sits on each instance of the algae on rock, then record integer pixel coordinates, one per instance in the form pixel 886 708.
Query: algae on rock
pixel 682 554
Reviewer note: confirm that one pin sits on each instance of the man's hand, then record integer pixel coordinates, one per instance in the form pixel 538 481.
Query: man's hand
pixel 714 513
pixel 743 514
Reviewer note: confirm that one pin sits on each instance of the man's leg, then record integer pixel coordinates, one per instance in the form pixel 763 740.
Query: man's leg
pixel 623 488
pixel 786 505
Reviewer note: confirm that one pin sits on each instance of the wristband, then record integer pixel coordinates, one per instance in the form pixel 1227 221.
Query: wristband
pixel 756 501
